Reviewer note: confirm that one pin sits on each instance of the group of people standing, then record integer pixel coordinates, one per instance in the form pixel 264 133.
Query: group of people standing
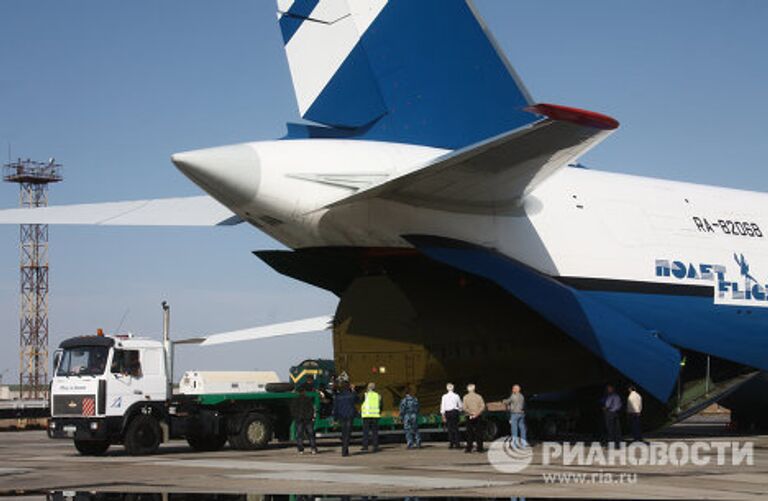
pixel 611 405
pixel 344 412
pixel 452 406
pixel 473 406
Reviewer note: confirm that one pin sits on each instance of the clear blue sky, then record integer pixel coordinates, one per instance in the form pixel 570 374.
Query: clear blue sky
pixel 113 88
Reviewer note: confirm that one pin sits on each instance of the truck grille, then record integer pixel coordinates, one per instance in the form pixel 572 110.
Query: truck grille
pixel 74 405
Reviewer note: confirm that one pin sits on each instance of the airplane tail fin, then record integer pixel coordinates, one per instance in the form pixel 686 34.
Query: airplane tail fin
pixel 423 72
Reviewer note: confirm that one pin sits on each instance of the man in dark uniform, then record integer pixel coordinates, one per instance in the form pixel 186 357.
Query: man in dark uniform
pixel 344 412
pixel 409 413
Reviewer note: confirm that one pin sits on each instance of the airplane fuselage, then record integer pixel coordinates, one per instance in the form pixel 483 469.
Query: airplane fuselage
pixel 577 223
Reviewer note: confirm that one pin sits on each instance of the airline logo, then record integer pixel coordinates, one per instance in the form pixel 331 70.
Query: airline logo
pixel 730 288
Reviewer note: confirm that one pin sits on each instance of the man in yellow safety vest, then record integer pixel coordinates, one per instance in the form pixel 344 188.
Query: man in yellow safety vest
pixel 371 412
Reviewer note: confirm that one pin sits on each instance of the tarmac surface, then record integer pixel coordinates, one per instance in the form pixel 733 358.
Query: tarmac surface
pixel 32 465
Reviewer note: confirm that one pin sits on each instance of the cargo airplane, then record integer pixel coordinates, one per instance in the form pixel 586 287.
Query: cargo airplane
pixel 444 206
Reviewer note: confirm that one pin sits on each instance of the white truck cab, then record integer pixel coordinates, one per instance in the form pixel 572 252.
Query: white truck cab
pixel 100 383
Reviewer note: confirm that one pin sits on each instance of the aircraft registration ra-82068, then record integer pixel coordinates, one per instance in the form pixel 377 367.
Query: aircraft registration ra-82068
pixel 438 200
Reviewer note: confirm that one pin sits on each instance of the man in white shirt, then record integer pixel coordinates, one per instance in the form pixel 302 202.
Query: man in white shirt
pixel 634 409
pixel 450 408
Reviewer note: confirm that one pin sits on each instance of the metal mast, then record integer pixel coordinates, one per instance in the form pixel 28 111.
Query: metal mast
pixel 33 179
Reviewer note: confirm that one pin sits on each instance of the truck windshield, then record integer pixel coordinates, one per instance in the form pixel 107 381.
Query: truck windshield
pixel 83 361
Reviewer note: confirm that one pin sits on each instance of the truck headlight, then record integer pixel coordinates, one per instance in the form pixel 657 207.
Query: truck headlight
pixel 94 425
pixel 52 425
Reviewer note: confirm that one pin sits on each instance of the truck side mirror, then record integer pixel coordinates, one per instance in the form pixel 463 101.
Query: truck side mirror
pixel 56 360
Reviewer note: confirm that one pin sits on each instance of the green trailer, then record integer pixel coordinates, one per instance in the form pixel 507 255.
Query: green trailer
pixel 248 421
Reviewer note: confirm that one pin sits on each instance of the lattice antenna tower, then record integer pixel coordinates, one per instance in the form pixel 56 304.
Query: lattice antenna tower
pixel 33 179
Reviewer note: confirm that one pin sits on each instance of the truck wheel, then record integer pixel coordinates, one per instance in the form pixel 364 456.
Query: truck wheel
pixel 550 428
pixel 91 447
pixel 143 436
pixel 255 433
pixel 490 430
pixel 206 443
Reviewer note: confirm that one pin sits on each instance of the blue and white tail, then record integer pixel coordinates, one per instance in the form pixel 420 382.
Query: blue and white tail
pixel 413 71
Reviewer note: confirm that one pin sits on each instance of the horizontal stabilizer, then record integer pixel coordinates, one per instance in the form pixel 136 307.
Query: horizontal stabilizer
pixel 188 211
pixel 315 324
pixel 494 175
pixel 612 336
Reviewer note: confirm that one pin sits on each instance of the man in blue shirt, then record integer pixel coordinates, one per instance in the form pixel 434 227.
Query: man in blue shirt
pixel 611 407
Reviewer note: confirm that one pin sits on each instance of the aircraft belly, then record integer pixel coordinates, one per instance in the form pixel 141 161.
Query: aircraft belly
pixel 426 324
